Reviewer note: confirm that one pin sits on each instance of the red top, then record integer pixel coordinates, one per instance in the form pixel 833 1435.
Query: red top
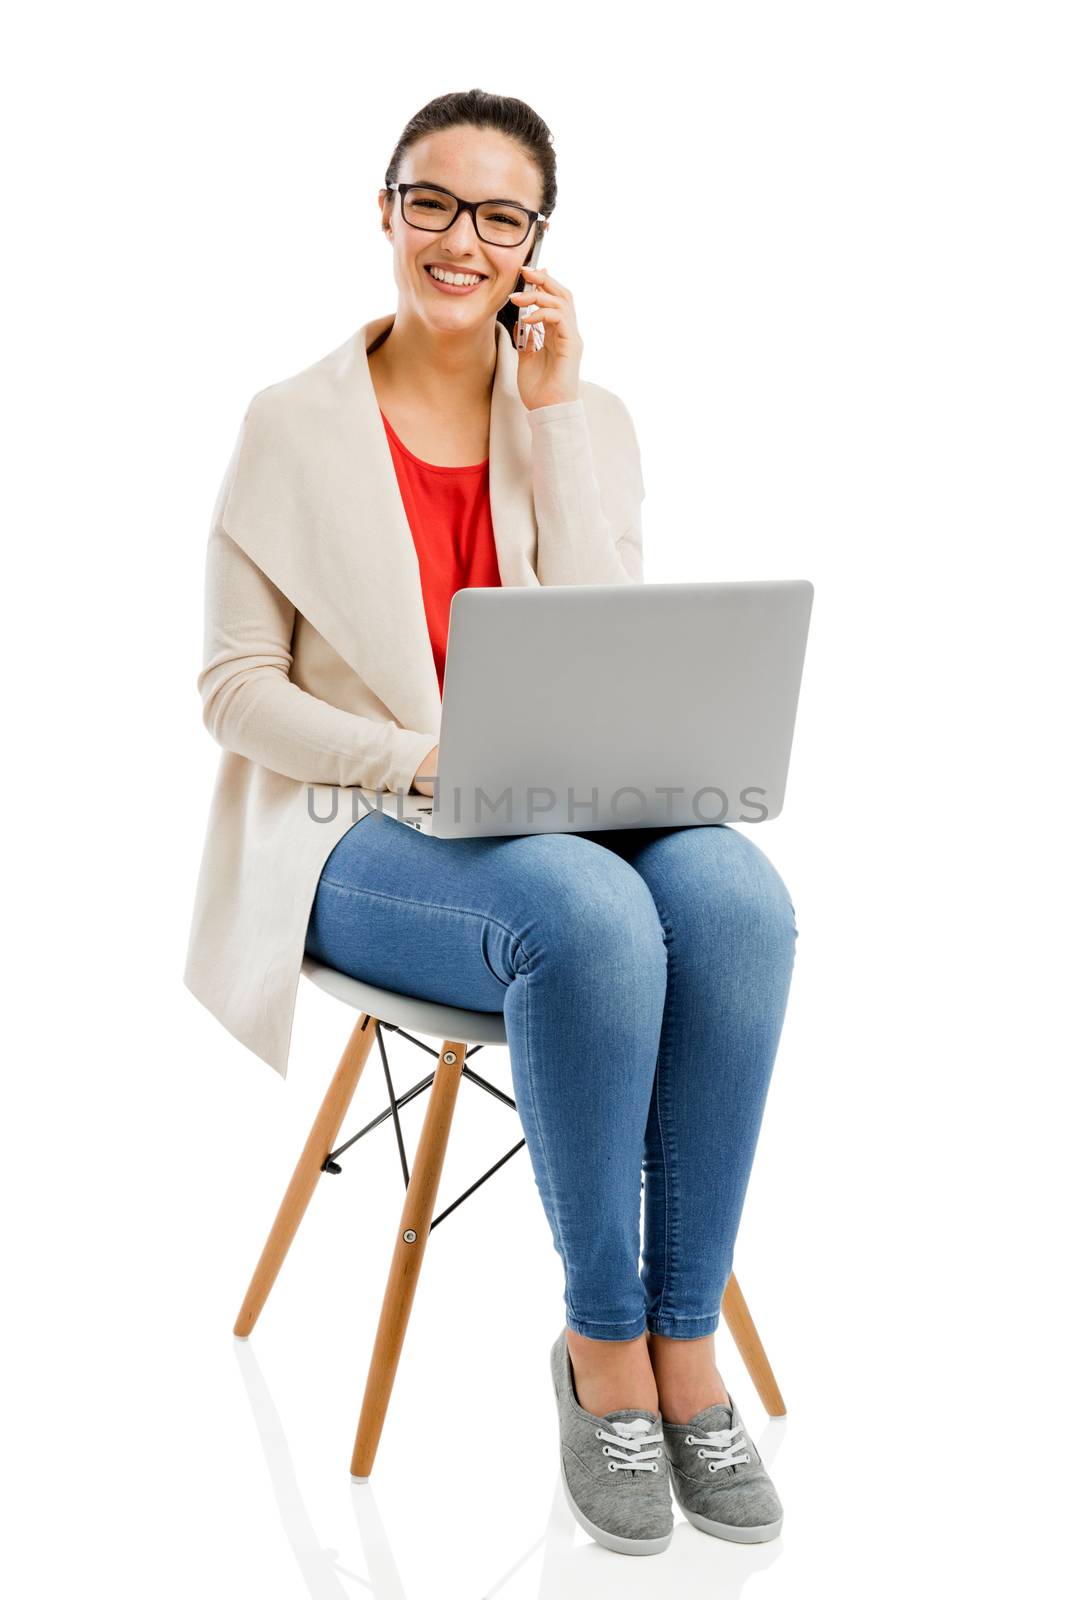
pixel 451 524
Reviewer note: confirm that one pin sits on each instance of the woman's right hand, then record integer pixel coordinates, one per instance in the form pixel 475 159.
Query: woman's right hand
pixel 426 770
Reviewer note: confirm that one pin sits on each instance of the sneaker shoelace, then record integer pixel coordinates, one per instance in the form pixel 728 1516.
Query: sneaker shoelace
pixel 635 1437
pixel 725 1451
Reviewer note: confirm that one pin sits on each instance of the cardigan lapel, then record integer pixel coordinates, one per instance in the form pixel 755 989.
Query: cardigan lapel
pixel 315 502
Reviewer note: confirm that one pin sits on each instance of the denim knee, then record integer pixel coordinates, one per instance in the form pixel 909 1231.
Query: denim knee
pixel 759 893
pixel 731 888
pixel 595 911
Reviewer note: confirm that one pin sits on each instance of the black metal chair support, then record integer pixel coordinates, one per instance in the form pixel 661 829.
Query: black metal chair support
pixel 397 1103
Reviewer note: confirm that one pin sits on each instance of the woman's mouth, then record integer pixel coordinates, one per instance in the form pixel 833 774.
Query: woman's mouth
pixel 455 288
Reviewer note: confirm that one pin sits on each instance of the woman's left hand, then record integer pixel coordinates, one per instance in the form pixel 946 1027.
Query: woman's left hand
pixel 548 376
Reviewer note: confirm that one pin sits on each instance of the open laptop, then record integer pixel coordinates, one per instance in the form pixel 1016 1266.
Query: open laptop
pixel 577 707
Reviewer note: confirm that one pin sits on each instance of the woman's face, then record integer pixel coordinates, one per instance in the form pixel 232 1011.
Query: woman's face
pixel 476 164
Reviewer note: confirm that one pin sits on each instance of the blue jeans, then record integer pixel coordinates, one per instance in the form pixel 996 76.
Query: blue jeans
pixel 643 976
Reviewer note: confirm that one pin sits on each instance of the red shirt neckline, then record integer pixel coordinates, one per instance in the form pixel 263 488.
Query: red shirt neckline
pixel 427 466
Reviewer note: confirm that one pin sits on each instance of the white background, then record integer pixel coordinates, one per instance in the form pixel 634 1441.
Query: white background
pixel 818 249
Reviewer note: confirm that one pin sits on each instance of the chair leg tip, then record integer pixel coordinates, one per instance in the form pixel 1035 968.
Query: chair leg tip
pixel 355 1479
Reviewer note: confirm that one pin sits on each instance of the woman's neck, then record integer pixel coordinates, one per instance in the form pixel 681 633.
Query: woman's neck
pixel 448 369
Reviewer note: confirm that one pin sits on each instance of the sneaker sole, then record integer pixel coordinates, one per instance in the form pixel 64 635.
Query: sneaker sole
pixel 612 1541
pixel 725 1530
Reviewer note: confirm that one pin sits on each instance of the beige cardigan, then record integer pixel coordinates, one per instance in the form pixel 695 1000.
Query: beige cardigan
pixel 317 665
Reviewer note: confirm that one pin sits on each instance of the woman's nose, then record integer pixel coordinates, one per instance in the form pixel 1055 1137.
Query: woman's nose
pixel 463 235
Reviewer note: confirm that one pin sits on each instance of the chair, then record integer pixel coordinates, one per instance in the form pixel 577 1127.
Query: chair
pixel 382 1009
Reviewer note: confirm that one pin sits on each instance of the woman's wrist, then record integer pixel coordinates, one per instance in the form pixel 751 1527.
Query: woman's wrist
pixel 426 772
pixel 561 400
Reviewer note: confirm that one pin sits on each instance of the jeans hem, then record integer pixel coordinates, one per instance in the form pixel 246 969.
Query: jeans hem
pixel 606 1330
pixel 683 1327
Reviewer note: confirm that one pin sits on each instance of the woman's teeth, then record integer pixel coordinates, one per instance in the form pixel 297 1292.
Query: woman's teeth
pixel 461 278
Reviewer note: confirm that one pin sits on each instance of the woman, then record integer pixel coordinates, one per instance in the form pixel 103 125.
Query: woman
pixel 642 974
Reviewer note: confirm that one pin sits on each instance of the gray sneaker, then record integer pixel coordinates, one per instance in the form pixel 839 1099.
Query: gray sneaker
pixel 613 1468
pixel 718 1477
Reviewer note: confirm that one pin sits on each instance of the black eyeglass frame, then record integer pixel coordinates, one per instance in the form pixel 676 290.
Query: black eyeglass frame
pixel 467 205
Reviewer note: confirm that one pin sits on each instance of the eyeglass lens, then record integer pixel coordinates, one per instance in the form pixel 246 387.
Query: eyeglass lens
pixel 497 223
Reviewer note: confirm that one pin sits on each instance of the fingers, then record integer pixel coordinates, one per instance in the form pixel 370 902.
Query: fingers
pixel 538 275
pixel 547 301
pixel 538 295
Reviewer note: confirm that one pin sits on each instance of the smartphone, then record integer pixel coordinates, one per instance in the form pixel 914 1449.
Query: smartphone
pixel 522 329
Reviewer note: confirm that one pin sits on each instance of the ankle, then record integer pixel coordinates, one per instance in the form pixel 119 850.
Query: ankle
pixel 687 1377
pixel 612 1373
pixel 683 1407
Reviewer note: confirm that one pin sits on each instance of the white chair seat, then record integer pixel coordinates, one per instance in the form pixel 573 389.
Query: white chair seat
pixel 405 1011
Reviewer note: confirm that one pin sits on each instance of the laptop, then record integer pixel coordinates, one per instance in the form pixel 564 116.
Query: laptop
pixel 577 707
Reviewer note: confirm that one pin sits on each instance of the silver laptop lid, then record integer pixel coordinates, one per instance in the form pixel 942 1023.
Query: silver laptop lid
pixel 578 707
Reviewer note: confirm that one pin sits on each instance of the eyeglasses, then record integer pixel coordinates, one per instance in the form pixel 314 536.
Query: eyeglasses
pixel 433 209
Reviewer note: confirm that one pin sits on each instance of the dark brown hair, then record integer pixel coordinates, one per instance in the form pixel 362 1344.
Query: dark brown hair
pixel 479 109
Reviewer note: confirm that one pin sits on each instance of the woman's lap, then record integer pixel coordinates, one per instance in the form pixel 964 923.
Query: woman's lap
pixel 451 919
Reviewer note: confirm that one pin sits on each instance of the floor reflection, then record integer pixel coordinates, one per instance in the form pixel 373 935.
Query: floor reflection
pixel 573 1567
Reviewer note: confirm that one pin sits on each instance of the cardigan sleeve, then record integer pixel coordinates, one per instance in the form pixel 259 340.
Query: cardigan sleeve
pixel 578 541
pixel 251 707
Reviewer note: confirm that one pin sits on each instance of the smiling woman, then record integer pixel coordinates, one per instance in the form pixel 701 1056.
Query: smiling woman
pixel 432 172
pixel 432 452
pixel 433 372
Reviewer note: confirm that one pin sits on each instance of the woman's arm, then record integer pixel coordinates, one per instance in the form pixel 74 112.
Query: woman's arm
pixel 251 707
pixel 576 542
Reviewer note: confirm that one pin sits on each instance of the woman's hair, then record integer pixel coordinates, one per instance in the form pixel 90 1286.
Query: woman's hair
pixel 476 108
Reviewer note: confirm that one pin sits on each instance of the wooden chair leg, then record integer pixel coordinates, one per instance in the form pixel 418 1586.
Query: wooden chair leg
pixel 408 1251
pixel 743 1331
pixel 308 1171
